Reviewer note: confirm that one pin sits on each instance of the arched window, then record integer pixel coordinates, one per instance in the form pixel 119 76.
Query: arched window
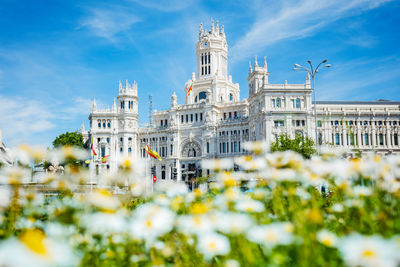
pixel 278 102
pixel 129 149
pixel 109 124
pixel 300 133
pixel 99 123
pixel 202 95
pixel 104 124
pixel 195 99
pixel 297 102
pixel 231 97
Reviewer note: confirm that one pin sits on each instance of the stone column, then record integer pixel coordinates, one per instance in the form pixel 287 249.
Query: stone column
pixel 359 137
pixel 345 143
pixel 373 137
pixel 392 135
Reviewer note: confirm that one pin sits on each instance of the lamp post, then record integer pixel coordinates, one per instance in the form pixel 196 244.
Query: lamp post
pixel 313 72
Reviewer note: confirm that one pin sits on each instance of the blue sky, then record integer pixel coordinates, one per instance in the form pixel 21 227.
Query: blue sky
pixel 56 56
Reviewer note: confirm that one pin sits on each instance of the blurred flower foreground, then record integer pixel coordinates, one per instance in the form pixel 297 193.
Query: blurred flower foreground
pixel 277 210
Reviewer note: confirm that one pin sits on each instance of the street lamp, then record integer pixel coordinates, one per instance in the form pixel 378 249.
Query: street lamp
pixel 312 72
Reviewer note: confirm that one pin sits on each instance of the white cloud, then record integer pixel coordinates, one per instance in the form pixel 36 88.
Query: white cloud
pixel 360 79
pixel 24 120
pixel 109 22
pixel 295 19
pixel 21 118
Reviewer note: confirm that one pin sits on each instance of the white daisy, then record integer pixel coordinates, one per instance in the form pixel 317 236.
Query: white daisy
pixel 213 244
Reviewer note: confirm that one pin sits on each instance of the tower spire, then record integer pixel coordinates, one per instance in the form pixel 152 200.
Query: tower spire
pixel 250 68
pixel 255 62
pixel 265 64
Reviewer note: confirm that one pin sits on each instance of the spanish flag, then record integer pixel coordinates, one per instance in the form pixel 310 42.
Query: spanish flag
pixel 190 88
pixel 152 153
pixel 105 159
pixel 91 147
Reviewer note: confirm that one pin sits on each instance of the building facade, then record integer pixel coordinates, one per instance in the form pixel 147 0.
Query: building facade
pixel 214 122
pixel 5 158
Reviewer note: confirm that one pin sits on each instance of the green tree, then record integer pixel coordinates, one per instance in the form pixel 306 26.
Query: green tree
pixel 69 139
pixel 301 145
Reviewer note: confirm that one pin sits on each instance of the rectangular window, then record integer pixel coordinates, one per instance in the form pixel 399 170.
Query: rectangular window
pixel 224 116
pixel 303 123
pixel 181 118
pixel 235 115
pixel 396 139
pixel 187 118
pixel 230 115
pixel 209 59
pixel 161 123
pixel 366 140
pixel 191 117
pixel 208 147
pixel 319 123
pixel 352 139
pixel 209 68
pixel 273 103
pixel 103 151
pixel 381 139
pixel 196 117
pixel 201 116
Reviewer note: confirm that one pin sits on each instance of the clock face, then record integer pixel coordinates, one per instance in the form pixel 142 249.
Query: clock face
pixel 205 44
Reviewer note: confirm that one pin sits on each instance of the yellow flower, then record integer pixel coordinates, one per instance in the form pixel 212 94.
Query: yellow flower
pixel 315 216
pixel 34 239
pixel 199 208
pixel 177 202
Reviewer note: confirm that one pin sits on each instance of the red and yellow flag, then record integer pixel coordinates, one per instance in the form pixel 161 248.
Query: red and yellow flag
pixel 105 159
pixel 91 147
pixel 152 153
pixel 190 88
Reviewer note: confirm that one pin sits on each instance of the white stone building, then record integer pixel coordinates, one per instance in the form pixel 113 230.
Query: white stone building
pixel 214 122
pixel 5 158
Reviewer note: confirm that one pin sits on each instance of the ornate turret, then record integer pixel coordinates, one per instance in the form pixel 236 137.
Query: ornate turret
pixel 174 100
pixel 127 97
pixel 258 78
pixel 114 106
pixel 308 82
pixel 94 106
pixel 212 52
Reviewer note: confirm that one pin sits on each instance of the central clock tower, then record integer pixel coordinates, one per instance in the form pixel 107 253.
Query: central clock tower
pixel 212 52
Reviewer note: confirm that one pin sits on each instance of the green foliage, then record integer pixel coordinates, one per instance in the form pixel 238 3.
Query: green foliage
pixel 301 145
pixel 69 139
